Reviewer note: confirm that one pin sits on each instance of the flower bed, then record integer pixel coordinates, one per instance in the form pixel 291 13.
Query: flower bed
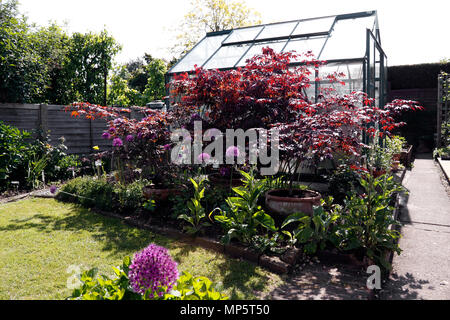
pixel 268 95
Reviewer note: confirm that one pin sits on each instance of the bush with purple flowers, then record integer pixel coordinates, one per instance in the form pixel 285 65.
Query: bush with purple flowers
pixel 151 269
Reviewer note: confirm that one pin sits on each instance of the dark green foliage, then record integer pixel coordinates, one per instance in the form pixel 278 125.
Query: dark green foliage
pixel 343 182
pixel 23 159
pixel 46 65
pixel 416 76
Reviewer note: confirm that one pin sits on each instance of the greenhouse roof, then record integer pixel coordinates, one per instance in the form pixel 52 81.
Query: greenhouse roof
pixel 332 38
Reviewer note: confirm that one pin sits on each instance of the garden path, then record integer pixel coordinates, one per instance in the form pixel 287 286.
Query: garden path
pixel 422 271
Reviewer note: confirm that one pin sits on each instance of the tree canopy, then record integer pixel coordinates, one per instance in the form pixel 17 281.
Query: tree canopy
pixel 209 16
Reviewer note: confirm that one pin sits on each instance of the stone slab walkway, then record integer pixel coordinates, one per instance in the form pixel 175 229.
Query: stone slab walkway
pixel 422 271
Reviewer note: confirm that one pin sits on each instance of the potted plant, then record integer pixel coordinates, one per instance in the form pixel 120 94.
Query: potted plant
pixel 394 146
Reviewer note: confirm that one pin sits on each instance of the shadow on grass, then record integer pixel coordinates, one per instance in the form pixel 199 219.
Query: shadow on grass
pixel 116 237
pixel 242 279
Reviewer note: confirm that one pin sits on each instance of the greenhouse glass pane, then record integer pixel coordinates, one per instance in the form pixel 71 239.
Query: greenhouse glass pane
pixel 348 39
pixel 314 25
pixel 226 57
pixel 304 45
pixel 353 77
pixel 257 49
pixel 245 34
pixel 277 30
pixel 199 54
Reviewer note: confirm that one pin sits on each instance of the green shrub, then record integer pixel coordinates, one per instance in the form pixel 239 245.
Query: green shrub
pixel 129 198
pixel 244 215
pixel 366 220
pixel 13 155
pixel 88 191
pixel 343 182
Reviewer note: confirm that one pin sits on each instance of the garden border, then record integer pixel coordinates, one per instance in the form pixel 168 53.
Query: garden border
pixel 280 265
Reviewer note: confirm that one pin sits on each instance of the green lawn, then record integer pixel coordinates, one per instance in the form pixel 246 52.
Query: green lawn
pixel 41 238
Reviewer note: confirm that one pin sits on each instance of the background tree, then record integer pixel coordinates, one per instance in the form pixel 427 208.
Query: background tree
pixel 212 15
pixel 19 63
pixel 89 60
pixel 46 65
pixel 138 82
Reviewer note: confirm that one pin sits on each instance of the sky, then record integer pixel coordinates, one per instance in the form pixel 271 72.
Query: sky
pixel 411 31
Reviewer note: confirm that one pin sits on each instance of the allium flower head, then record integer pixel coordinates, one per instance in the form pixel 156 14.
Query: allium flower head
pixel 203 157
pixel 232 152
pixel 130 138
pixel 106 135
pixel 152 268
pixel 112 130
pixel 117 142
pixel 53 189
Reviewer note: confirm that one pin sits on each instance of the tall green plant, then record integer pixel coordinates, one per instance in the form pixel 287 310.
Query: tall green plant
pixel 367 219
pixel 196 210
pixel 244 215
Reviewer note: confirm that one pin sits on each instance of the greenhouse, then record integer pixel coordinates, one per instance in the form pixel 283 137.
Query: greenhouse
pixel 350 43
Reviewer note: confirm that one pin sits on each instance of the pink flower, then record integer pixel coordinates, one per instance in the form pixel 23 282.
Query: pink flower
pixel 232 152
pixel 203 157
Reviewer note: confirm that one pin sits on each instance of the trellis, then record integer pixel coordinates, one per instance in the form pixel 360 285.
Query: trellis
pixel 443 111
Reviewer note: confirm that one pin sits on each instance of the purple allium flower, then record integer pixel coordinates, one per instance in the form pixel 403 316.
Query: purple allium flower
pixel 130 138
pixel 167 146
pixel 53 189
pixel 139 135
pixel 203 157
pixel 232 152
pixel 117 142
pixel 112 130
pixel 106 135
pixel 152 268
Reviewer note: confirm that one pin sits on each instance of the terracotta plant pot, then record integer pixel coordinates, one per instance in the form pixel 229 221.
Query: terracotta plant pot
pixel 279 201
pixel 217 178
pixel 396 156
pixel 394 165
pixel 150 192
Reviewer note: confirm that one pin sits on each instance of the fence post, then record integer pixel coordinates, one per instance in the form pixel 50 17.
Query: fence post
pixel 43 120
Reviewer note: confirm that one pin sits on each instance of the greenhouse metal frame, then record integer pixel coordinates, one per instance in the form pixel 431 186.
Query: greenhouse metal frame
pixel 350 43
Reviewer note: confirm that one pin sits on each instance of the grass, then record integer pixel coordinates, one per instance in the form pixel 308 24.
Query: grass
pixel 41 238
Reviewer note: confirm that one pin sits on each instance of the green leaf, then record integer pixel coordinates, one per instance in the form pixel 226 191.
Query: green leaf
pixel 265 220
pixel 296 217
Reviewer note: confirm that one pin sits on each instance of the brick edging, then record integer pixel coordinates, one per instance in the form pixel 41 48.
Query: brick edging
pixel 272 263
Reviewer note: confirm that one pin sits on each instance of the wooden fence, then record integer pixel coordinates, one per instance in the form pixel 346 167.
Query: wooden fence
pixel 80 134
